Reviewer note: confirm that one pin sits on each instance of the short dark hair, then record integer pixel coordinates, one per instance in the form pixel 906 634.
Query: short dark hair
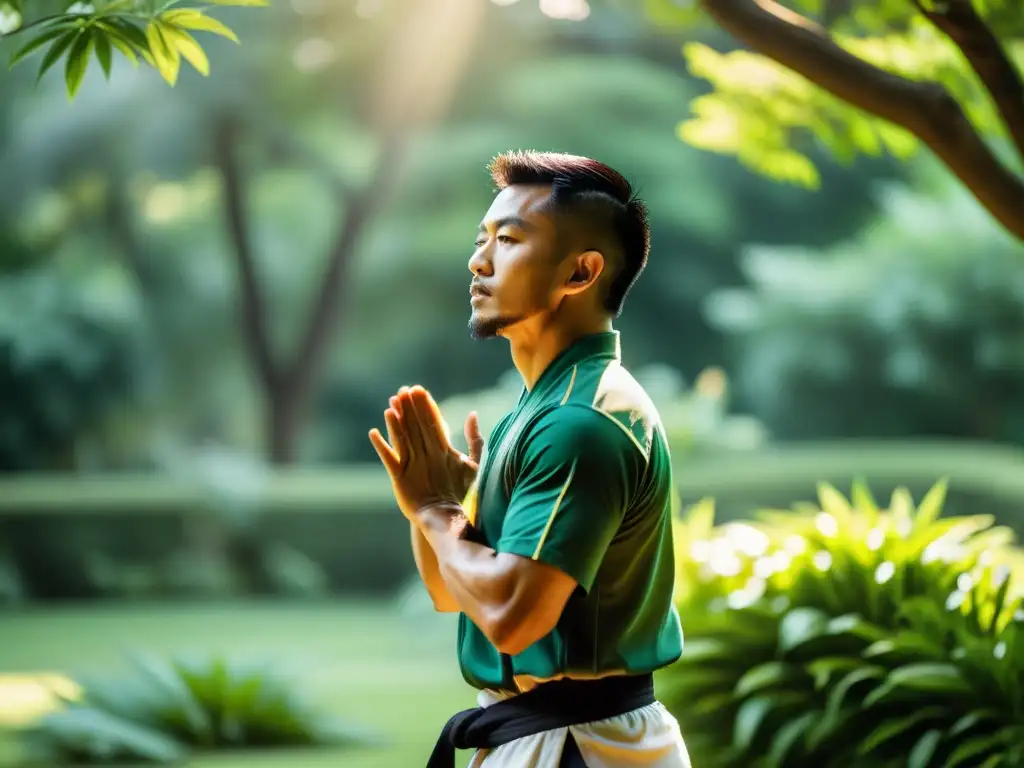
pixel 602 197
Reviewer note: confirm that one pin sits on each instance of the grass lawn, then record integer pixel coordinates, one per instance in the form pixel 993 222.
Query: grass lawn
pixel 392 673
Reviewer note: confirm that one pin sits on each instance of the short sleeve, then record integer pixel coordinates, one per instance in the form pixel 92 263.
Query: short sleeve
pixel 577 474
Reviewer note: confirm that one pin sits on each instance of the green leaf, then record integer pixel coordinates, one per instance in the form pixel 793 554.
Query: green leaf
pixel 188 48
pixel 931 505
pixel 864 502
pixel 241 3
pixel 892 729
pixel 837 697
pixel 101 41
pixel 972 719
pixel 55 51
pixel 925 677
pixel 88 726
pixel 123 46
pixel 749 720
pixel 799 626
pixel 697 680
pixel 769 675
pixel 710 704
pixel 931 678
pixel 825 669
pixel 700 517
pixel 166 57
pixel 970 752
pixel 190 18
pixel 855 626
pixel 35 44
pixel 834 503
pixel 78 62
pixel 999 604
pixel 901 506
pixel 904 647
pixel 788 740
pixel 702 650
pixel 129 32
pixel 924 750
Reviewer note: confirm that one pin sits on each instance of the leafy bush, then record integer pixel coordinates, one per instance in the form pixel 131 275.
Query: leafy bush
pixel 173 707
pixel 840 634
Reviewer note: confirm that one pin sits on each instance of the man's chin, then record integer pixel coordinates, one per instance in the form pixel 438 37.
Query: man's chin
pixel 488 327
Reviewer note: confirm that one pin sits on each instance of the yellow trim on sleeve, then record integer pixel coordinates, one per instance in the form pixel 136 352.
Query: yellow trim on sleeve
pixel 554 511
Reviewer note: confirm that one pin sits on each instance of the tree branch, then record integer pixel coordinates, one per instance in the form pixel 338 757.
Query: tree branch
pixel 283 146
pixel 364 205
pixel 253 308
pixel 925 109
pixel 962 24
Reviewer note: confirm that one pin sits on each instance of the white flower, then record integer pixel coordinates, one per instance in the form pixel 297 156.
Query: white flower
pixel 83 9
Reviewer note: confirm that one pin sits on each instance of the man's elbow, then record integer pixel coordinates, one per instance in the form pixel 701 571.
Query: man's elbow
pixel 442 599
pixel 444 604
pixel 512 634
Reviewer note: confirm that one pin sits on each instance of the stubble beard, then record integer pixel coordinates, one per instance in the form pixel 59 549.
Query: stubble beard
pixel 488 328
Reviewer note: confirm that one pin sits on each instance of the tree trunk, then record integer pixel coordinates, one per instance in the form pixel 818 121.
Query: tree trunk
pixel 284 425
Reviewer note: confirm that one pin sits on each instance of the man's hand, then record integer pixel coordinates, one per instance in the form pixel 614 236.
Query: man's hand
pixel 425 468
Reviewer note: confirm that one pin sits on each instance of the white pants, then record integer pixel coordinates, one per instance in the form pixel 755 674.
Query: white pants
pixel 648 737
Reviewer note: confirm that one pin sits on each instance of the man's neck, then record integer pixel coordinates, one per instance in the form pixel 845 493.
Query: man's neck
pixel 533 350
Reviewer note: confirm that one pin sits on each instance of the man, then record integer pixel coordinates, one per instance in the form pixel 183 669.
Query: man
pixel 554 542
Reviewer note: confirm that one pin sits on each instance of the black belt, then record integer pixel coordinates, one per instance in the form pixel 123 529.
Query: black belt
pixel 548 706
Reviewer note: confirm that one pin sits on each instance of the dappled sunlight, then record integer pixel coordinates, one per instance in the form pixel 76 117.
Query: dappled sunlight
pixel 26 697
pixel 569 10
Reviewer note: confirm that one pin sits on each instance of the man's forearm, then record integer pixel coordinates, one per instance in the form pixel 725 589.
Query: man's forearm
pixel 481 583
pixel 426 564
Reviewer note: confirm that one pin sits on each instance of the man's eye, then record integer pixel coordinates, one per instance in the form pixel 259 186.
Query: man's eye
pixel 480 243
pixel 505 239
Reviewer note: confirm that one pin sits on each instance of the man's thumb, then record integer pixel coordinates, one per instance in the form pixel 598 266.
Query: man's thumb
pixel 474 439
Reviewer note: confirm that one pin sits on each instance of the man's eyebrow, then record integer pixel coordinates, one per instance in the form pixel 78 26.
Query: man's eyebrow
pixel 515 221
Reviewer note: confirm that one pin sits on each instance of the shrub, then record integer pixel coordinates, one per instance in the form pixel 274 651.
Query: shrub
pixel 170 708
pixel 846 636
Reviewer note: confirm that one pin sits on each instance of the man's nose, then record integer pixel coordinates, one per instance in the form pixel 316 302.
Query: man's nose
pixel 480 262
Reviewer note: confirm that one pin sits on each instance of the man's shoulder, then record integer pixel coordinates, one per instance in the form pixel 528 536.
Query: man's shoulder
pixel 603 405
pixel 607 388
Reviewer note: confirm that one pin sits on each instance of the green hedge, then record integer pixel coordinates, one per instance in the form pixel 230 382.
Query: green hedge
pixel 345 522
pixel 981 475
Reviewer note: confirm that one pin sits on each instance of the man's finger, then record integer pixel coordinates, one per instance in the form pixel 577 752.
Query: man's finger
pixel 474 439
pixel 396 399
pixel 397 436
pixel 412 427
pixel 388 457
pixel 431 419
pixel 439 416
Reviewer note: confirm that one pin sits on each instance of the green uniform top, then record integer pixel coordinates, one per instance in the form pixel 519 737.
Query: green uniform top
pixel 578 476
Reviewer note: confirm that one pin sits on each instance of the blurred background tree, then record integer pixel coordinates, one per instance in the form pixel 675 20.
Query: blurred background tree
pixel 911 326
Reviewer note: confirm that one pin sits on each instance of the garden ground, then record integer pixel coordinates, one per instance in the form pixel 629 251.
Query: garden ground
pixel 372 665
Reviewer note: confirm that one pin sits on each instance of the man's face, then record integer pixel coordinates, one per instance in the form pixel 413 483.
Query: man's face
pixel 517 267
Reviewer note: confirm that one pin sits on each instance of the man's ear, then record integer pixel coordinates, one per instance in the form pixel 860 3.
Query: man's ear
pixel 587 269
